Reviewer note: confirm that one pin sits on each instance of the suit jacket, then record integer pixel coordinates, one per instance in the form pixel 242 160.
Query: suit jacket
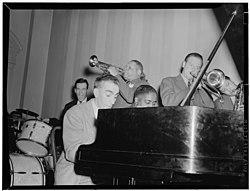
pixel 173 90
pixel 58 122
pixel 66 108
pixel 78 129
pixel 227 104
pixel 126 93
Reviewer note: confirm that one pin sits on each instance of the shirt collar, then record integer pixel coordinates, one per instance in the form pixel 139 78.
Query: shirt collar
pixel 85 100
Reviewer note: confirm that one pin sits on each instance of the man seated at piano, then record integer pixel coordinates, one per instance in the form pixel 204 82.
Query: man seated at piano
pixel 174 89
pixel 230 92
pixel 145 96
pixel 131 78
pixel 79 129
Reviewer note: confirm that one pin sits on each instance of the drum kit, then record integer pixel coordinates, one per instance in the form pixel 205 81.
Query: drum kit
pixel 29 160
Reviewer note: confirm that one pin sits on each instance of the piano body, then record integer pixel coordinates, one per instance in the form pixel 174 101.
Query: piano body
pixel 174 145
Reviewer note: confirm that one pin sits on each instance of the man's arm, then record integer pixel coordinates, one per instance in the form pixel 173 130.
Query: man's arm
pixel 126 92
pixel 72 133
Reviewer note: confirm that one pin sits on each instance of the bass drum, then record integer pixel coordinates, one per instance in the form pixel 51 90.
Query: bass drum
pixel 26 170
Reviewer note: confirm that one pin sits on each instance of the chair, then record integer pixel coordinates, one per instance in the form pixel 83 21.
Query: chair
pixel 56 144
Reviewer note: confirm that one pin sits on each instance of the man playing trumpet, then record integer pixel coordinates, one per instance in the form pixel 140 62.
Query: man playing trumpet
pixel 132 78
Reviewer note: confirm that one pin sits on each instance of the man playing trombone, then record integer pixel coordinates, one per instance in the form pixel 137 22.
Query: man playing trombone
pixel 174 89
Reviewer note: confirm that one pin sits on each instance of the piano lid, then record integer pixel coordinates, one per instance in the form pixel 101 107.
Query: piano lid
pixel 200 137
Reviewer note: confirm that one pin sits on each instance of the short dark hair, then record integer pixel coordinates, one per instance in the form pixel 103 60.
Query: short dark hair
pixel 80 81
pixel 139 64
pixel 194 54
pixel 105 77
pixel 144 89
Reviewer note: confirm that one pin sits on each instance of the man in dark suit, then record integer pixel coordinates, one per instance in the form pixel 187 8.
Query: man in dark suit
pixel 174 89
pixel 80 89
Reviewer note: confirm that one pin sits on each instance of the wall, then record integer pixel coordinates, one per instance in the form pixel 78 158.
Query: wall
pixel 63 40
pixel 16 71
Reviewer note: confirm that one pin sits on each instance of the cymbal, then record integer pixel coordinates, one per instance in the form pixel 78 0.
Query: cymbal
pixel 27 112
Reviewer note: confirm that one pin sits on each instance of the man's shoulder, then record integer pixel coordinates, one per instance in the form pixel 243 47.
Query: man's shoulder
pixel 70 104
pixel 171 78
pixel 139 83
pixel 80 108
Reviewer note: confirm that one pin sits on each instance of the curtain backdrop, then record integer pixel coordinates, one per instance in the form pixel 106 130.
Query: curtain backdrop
pixel 160 39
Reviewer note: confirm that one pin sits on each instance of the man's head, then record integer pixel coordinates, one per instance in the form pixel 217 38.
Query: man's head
pixel 145 96
pixel 133 70
pixel 106 90
pixel 228 87
pixel 192 65
pixel 80 88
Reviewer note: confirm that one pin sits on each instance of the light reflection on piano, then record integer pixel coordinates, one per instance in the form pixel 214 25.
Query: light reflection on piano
pixel 192 141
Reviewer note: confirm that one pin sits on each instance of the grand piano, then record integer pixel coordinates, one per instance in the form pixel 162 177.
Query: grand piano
pixel 174 146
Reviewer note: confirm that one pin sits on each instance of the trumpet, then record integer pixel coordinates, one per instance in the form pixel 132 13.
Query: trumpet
pixel 213 81
pixel 94 62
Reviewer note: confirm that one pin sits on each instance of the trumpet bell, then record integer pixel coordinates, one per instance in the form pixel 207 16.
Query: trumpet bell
pixel 93 61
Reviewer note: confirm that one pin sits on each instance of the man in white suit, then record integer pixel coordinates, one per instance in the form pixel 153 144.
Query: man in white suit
pixel 79 129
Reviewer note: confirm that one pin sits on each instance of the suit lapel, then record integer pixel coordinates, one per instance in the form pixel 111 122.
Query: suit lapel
pixel 180 82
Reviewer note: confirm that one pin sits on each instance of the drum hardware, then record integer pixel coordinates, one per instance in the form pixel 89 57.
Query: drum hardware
pixel 15 122
pixel 48 163
pixel 27 112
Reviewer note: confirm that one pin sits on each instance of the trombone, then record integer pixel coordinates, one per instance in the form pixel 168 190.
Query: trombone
pixel 213 81
pixel 94 62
